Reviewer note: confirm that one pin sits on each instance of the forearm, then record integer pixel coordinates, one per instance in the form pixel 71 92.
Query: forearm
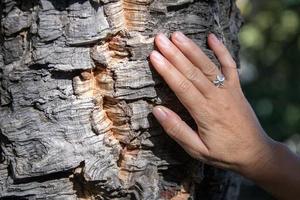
pixel 278 172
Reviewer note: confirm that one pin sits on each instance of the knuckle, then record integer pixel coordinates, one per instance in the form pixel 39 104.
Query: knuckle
pixel 211 94
pixel 184 85
pixel 229 59
pixel 192 47
pixel 173 52
pixel 223 50
pixel 233 63
pixel 174 129
pixel 234 80
pixel 210 69
pixel 192 74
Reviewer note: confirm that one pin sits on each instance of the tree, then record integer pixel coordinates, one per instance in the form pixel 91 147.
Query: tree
pixel 76 98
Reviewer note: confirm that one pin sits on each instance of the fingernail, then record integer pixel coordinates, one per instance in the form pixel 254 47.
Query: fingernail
pixel 157 56
pixel 163 40
pixel 159 113
pixel 214 38
pixel 180 37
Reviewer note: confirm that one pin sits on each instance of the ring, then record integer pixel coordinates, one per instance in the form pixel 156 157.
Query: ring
pixel 219 81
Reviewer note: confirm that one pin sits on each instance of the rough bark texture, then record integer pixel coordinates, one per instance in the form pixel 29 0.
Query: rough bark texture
pixel 76 95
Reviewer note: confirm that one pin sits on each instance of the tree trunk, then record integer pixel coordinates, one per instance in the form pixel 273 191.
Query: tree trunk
pixel 76 96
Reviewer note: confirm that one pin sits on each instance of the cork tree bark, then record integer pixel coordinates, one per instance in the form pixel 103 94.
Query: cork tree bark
pixel 76 93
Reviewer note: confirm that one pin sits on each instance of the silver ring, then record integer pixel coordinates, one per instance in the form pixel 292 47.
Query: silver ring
pixel 219 81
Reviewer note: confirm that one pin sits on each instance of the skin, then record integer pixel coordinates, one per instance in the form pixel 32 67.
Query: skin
pixel 228 133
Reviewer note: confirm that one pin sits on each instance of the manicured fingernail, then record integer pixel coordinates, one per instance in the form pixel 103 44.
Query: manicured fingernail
pixel 214 38
pixel 157 56
pixel 163 40
pixel 180 37
pixel 159 113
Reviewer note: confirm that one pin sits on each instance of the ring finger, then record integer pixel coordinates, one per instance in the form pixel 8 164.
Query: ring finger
pixel 196 55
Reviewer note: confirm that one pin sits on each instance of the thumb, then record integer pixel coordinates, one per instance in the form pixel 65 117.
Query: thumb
pixel 177 129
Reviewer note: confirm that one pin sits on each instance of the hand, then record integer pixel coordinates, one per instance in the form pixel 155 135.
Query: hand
pixel 229 134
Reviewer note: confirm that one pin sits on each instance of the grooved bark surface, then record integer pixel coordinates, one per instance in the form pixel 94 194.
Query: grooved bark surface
pixel 76 95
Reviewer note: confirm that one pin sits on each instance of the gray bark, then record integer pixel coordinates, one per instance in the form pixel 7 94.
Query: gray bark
pixel 77 90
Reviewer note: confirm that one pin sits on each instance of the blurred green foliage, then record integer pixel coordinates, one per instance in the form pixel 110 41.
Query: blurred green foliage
pixel 270 41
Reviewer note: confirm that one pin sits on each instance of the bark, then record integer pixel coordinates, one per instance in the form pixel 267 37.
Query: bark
pixel 76 96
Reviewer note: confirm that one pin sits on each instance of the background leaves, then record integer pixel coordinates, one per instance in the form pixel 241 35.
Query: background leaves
pixel 270 41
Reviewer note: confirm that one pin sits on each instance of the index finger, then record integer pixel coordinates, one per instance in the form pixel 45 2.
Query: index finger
pixel 186 92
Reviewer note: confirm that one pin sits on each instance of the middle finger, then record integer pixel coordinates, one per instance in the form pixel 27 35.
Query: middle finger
pixel 195 54
pixel 184 65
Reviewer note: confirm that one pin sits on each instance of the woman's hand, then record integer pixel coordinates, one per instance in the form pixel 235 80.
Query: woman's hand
pixel 229 134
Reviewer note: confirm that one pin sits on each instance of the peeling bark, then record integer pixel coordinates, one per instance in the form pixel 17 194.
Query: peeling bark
pixel 76 93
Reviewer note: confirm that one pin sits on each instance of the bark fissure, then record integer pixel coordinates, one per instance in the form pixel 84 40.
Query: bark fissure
pixel 43 178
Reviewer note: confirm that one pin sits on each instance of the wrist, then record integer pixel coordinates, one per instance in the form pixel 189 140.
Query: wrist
pixel 277 172
pixel 262 159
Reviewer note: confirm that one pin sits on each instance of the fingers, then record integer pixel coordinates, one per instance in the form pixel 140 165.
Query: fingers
pixel 180 131
pixel 189 96
pixel 178 60
pixel 195 55
pixel 229 68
